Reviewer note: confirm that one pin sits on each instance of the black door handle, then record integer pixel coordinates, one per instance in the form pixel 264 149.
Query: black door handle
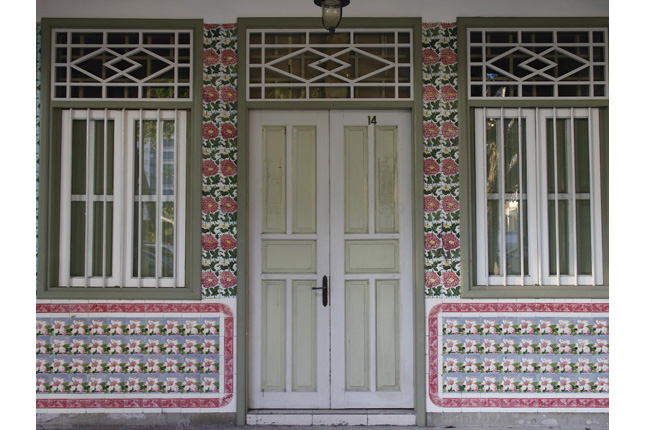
pixel 325 291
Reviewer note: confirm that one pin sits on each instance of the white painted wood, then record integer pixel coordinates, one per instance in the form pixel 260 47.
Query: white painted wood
pixel 353 311
pixel 304 180
pixel 387 335
pixel 373 398
pixel 356 194
pixel 274 179
pixel 305 334
pixel 307 331
pixel 386 195
pixel 274 336
pixel 357 336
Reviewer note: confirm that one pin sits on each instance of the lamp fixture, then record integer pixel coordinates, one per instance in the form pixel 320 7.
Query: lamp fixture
pixel 332 13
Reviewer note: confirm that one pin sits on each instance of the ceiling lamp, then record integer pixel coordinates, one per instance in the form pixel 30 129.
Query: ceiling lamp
pixel 332 13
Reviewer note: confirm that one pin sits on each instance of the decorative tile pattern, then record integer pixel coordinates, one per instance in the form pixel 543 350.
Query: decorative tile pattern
pixel 219 162
pixel 548 355
pixel 441 168
pixel 148 349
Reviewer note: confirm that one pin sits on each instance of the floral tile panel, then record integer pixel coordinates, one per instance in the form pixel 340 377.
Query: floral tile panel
pixel 441 160
pixel 139 349
pixel 551 355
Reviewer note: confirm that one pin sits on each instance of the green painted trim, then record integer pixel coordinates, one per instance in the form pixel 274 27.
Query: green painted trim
pixel 110 23
pixel 113 104
pixel 49 191
pixel 45 216
pixel 528 22
pixel 418 243
pixel 604 191
pixel 467 163
pixel 241 357
pixel 534 292
pixel 536 103
pixel 416 108
pixel 314 23
pixel 327 104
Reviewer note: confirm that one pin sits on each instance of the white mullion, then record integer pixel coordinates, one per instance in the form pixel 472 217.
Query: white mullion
pixel 595 190
pixel 371 171
pixel 572 213
pixel 66 200
pixel 521 190
pixel 396 64
pixel 158 204
pixel 103 81
pixel 68 71
pixel 537 196
pixel 105 169
pixel 139 203
pixel 289 137
pixel 89 169
pixel 501 160
pixel 120 196
pixel 176 66
pixel 555 193
pixel 481 203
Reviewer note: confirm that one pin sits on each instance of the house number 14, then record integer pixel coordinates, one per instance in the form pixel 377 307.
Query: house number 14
pixel 371 120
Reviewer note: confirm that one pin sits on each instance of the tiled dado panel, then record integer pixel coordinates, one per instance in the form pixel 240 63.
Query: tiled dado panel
pixel 134 355
pixel 518 355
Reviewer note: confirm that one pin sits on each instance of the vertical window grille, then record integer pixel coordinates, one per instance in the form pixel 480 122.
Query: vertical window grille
pixel 122 188
pixel 538 196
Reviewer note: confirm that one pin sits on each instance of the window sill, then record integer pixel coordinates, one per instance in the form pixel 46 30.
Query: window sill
pixel 536 292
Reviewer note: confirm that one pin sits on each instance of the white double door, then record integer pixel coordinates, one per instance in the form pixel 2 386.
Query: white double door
pixel 330 204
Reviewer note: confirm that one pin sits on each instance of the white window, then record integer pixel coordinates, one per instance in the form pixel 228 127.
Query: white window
pixel 538 208
pixel 122 198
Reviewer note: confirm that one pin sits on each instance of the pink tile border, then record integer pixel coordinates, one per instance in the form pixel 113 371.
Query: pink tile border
pixel 157 402
pixel 492 402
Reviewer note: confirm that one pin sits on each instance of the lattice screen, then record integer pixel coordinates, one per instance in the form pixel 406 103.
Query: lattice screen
pixel 122 64
pixel 365 64
pixel 538 63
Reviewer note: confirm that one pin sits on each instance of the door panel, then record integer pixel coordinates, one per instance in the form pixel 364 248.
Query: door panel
pixel 288 256
pixel 328 197
pixel 371 260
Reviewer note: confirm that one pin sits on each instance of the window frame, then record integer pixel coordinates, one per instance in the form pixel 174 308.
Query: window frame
pixel 49 195
pixel 468 216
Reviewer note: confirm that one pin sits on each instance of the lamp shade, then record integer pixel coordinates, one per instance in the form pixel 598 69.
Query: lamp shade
pixel 332 12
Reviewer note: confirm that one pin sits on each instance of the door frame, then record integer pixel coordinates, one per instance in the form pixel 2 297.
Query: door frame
pixel 416 111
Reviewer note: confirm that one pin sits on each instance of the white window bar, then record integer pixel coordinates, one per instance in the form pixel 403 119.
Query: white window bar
pixel 594 180
pixel 501 160
pixel 139 199
pixel 104 199
pixel 481 120
pixel 534 153
pixel 159 205
pixel 573 224
pixel 89 179
pixel 556 199
pixel 521 193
